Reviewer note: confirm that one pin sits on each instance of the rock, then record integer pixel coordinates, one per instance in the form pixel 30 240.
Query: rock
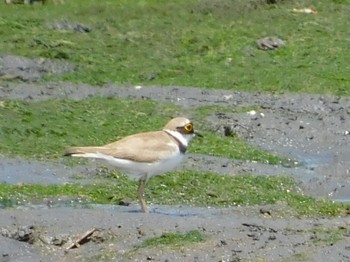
pixel 229 130
pixel 125 202
pixel 272 237
pixel 265 211
pixel 269 43
pixel 59 240
pixel 23 233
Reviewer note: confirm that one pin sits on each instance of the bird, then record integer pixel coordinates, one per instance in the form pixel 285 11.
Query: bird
pixel 144 155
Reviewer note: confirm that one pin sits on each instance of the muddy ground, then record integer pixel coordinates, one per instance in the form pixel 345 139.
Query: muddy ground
pixel 313 130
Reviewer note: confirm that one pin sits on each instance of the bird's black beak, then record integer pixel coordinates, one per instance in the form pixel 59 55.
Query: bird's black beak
pixel 198 134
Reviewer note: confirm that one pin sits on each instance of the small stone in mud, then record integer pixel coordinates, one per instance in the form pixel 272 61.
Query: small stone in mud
pixel 222 243
pixel 141 231
pixel 272 237
pixel 229 130
pixel 125 202
pixel 254 236
pixel 100 236
pixel 313 237
pixel 59 240
pixel 265 211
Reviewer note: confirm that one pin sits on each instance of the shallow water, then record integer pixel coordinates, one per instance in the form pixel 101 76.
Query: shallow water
pixel 172 211
pixel 312 161
pixel 16 171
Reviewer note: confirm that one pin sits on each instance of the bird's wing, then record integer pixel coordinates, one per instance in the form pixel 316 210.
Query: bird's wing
pixel 142 147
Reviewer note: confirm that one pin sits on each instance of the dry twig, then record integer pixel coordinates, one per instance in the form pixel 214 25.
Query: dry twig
pixel 84 238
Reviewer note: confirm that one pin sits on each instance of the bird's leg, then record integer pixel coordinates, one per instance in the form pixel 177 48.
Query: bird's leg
pixel 140 195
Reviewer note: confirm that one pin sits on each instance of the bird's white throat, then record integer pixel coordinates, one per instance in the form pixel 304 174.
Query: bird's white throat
pixel 184 140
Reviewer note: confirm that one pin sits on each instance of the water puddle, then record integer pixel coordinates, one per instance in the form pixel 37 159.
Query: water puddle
pixel 323 174
pixel 172 211
pixel 313 161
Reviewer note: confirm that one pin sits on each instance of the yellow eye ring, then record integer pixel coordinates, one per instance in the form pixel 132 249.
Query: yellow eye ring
pixel 188 127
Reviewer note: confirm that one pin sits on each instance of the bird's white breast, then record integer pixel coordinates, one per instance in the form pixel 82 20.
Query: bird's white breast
pixel 139 169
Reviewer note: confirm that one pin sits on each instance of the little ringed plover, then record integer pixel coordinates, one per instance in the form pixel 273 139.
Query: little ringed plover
pixel 144 155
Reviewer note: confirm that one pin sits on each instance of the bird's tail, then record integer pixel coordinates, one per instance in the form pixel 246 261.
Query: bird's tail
pixel 89 151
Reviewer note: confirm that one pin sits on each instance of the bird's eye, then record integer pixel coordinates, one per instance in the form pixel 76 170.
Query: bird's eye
pixel 189 127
